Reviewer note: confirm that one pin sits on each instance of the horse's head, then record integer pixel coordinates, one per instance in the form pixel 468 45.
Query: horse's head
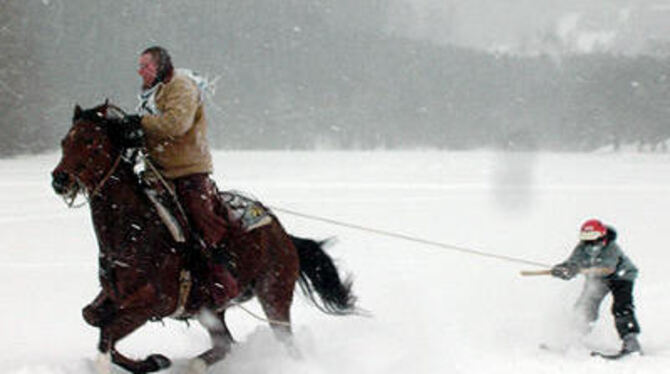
pixel 88 151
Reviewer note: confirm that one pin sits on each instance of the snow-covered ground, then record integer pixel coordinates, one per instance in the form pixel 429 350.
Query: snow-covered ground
pixel 434 310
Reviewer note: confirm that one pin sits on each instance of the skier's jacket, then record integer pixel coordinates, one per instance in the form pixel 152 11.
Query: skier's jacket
pixel 586 256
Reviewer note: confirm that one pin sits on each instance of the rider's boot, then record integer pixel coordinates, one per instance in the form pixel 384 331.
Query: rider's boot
pixel 631 344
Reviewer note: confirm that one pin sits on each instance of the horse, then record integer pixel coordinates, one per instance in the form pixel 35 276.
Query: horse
pixel 146 275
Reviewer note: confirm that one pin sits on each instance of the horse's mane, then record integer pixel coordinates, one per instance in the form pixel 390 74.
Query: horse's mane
pixel 107 116
pixel 104 113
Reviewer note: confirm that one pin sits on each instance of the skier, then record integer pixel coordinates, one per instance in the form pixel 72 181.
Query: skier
pixel 607 269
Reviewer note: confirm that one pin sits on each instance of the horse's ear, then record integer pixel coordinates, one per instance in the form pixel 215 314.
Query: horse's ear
pixel 112 112
pixel 77 112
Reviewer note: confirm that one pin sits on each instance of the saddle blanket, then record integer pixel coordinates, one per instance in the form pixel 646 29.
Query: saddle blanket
pixel 250 213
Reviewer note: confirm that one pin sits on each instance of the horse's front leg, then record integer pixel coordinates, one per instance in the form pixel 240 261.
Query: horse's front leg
pixel 100 310
pixel 132 313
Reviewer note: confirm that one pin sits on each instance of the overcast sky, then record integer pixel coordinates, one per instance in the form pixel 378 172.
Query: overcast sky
pixel 493 23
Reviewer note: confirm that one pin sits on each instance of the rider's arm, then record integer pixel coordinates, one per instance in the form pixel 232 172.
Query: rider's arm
pixel 574 260
pixel 177 111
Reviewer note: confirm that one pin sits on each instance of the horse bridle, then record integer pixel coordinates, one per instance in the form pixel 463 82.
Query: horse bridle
pixel 97 188
pixel 104 180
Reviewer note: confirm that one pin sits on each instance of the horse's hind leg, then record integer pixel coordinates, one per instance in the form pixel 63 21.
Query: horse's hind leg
pixel 279 317
pixel 274 289
pixel 275 297
pixel 221 338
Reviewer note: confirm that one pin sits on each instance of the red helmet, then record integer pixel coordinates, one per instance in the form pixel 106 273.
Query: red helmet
pixel 592 229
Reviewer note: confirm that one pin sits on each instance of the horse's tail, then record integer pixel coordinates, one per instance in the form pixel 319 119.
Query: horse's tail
pixel 319 274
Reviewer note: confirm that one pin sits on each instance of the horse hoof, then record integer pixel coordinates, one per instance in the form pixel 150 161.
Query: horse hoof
pixel 158 362
pixel 197 366
pixel 294 352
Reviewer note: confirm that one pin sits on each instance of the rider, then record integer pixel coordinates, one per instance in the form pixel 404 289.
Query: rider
pixel 607 269
pixel 172 119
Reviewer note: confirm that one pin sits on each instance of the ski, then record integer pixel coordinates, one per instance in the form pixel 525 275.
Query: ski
pixel 611 356
pixel 564 350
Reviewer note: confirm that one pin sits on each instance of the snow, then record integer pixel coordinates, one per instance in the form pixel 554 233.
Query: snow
pixel 433 310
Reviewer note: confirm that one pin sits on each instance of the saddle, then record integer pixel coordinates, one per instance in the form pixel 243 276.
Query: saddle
pixel 248 213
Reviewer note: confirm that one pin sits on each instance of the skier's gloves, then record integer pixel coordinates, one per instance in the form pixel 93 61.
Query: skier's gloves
pixel 564 271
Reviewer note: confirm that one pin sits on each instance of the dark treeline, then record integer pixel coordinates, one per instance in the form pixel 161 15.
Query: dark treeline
pixel 304 74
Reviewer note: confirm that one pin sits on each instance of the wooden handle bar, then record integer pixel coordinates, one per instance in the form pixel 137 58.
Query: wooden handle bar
pixel 527 273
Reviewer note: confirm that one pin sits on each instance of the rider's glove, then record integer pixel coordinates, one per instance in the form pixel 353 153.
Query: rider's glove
pixel 128 132
pixel 564 271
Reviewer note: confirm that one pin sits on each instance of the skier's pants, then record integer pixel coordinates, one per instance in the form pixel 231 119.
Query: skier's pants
pixel 623 309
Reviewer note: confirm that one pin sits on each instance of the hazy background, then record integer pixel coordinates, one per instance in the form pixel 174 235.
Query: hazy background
pixel 353 74
pixel 538 26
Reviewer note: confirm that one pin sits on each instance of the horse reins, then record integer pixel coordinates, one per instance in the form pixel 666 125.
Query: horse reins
pixel 108 175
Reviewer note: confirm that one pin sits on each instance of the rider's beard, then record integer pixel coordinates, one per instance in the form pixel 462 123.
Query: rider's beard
pixel 162 75
pixel 146 86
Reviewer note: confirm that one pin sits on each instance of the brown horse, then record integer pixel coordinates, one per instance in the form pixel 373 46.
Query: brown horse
pixel 142 269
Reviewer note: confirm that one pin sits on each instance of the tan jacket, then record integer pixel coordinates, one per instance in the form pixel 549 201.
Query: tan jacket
pixel 177 136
